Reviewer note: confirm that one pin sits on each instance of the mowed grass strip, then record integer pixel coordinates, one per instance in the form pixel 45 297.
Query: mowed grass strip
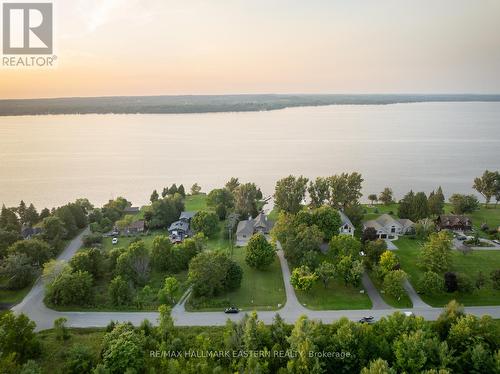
pixel 336 296
pixel 470 264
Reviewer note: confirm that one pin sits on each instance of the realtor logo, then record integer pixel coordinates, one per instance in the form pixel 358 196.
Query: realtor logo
pixel 27 28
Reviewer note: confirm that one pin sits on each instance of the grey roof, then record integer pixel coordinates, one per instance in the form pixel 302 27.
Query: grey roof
pixel 245 227
pixel 187 215
pixel 179 226
pixel 137 225
pixel 131 209
pixel 385 220
pixel 259 223
pixel 345 220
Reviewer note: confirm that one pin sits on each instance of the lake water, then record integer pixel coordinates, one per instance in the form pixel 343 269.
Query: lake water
pixel 51 160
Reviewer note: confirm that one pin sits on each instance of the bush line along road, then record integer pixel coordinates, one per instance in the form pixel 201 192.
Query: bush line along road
pixel 34 307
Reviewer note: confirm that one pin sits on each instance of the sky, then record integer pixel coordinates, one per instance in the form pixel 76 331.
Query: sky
pixel 155 47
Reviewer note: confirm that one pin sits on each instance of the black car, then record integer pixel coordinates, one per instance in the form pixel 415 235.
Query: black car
pixel 366 320
pixel 231 310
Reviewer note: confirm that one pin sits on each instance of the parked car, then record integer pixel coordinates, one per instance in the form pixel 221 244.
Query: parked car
pixel 231 310
pixel 114 241
pixel 369 319
pixel 409 314
pixel 461 237
pixel 496 241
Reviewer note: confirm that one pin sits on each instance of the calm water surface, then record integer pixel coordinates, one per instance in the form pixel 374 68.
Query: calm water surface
pixel 51 160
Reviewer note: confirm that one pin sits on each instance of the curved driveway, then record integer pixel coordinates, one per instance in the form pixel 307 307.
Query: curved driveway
pixel 33 306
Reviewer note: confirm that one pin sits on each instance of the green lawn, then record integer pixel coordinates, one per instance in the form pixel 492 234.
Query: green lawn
pixel 195 202
pixel 470 264
pixel 260 289
pixel 371 211
pixel 12 296
pixel 337 296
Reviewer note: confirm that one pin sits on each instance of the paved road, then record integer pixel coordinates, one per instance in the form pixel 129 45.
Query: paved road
pixel 34 308
pixel 371 290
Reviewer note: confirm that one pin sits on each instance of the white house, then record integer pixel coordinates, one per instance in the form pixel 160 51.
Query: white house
pixel 347 228
pixel 389 227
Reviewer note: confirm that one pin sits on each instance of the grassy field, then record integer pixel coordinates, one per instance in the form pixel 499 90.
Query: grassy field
pixel 195 202
pixel 260 289
pixel 337 296
pixel 12 296
pixel 405 301
pixel 372 212
pixel 470 264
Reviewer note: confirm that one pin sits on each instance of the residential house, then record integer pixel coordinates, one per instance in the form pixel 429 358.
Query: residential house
pixel 28 232
pixel 454 222
pixel 131 210
pixel 247 228
pixel 389 227
pixel 134 228
pixel 347 228
pixel 181 229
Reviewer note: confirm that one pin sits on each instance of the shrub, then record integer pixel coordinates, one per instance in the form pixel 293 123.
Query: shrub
pixel 90 260
pixel 431 283
pixel 80 360
pixel 495 278
pixel 303 278
pixel 60 329
pixel 464 283
pixel 18 271
pixel 123 349
pixel 92 239
pixel 167 293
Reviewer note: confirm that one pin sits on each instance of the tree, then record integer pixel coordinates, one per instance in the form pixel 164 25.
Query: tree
pixel 424 228
pixel 212 273
pixel 80 360
pixel 31 216
pixel 420 209
pixel 412 351
pixel 90 260
pixel 134 264
pixel 480 280
pixel 70 288
pixel 126 221
pixel 328 220
pixel 344 245
pixel 246 197
pixel 436 202
pixel 302 342
pixel 303 278
pixel 450 282
pixel 36 250
pixel 319 192
pixel 93 239
pixel 232 184
pixel 205 222
pixel 164 212
pixel 406 206
pixel 120 291
pixel 17 269
pixel 487 184
pixel 495 279
pixel 369 234
pixel 302 240
pixel 436 253
pixel 221 197
pixel 345 189
pixel 164 192
pixel 326 271
pixel 393 283
pixel 123 349
pixel 168 291
pixel 388 262
pixel 373 250
pixel 464 203
pixel 53 231
pixel 181 190
pixel 373 198
pixel 17 336
pixel 349 270
pixel 195 189
pixel 289 193
pixel 386 196
pixel 161 253
pixel 173 189
pixel 9 220
pixel 378 366
pixel 431 283
pixel 260 254
pixel 7 238
pixel 154 196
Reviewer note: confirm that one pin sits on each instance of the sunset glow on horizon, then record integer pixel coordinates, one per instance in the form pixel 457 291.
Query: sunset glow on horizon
pixel 132 47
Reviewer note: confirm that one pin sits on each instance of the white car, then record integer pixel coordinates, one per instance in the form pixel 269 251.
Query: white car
pixel 114 241
pixel 409 314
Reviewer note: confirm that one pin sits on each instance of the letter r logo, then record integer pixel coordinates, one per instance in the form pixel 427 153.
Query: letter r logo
pixel 27 28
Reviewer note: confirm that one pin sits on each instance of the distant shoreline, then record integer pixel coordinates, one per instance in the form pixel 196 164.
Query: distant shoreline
pixel 185 104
